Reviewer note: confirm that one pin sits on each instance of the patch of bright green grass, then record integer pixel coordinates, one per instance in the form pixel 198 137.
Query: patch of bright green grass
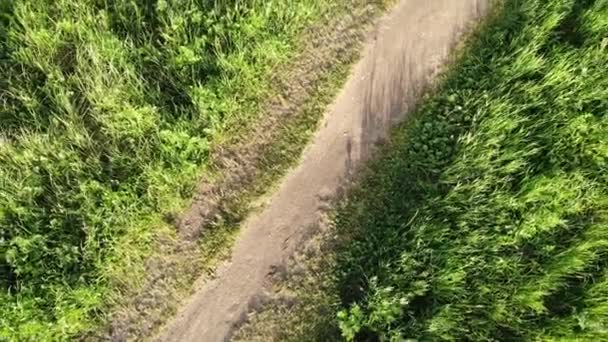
pixel 486 219
pixel 108 111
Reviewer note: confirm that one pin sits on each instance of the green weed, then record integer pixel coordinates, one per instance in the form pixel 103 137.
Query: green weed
pixel 486 217
pixel 108 112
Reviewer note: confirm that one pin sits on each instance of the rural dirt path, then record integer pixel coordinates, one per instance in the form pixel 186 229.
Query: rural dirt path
pixel 402 54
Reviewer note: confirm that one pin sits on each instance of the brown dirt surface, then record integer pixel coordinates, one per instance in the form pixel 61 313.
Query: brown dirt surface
pixel 402 55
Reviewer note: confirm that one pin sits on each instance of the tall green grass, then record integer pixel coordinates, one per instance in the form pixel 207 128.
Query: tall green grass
pixel 487 217
pixel 108 111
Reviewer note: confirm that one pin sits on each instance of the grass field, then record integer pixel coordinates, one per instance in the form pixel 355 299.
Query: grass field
pixel 486 218
pixel 108 113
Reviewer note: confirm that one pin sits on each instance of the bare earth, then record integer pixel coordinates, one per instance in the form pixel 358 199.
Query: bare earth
pixel 402 55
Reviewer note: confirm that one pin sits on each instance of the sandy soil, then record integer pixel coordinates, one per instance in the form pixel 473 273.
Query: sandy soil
pixel 403 53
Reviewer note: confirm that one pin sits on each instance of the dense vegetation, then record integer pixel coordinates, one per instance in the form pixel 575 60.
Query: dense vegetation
pixel 108 110
pixel 487 217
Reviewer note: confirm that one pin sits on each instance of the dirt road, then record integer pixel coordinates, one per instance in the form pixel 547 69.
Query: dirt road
pixel 402 54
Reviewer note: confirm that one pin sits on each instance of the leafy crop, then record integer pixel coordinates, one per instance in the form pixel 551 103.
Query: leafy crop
pixel 487 217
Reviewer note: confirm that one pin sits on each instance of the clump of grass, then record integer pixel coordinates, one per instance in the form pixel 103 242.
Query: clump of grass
pixel 108 111
pixel 486 218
